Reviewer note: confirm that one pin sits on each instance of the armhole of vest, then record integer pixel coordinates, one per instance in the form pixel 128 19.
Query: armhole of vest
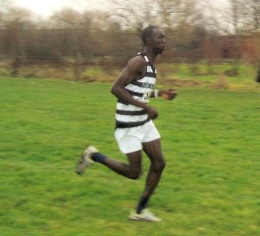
pixel 144 57
pixel 148 63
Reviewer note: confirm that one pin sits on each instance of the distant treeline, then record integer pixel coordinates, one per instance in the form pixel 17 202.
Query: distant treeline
pixel 115 45
pixel 227 32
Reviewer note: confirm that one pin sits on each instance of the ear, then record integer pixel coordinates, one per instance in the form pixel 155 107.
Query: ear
pixel 149 40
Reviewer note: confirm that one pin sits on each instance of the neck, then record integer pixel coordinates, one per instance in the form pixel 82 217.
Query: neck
pixel 150 54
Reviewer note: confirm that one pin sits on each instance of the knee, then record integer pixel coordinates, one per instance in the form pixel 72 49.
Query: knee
pixel 135 174
pixel 159 166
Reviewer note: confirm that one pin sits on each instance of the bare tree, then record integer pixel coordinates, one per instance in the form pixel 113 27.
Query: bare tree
pixel 229 18
pixel 165 13
pixel 134 15
pixel 255 6
pixel 251 15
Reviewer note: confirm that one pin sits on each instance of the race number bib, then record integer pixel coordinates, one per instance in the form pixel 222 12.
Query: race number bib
pixel 147 96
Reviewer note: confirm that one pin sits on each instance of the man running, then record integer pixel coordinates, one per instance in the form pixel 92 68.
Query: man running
pixel 135 131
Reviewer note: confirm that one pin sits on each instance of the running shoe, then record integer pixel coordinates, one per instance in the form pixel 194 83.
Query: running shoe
pixel 85 160
pixel 145 215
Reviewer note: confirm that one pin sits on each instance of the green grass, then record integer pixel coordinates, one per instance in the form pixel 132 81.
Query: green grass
pixel 210 141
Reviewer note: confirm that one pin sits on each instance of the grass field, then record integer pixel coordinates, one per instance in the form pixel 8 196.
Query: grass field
pixel 210 141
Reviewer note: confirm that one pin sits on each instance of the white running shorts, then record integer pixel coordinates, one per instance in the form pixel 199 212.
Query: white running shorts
pixel 131 139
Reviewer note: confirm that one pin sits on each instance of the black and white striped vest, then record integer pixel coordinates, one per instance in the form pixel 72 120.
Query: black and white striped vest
pixel 128 115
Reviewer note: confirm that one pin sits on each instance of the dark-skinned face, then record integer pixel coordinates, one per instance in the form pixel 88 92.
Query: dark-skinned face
pixel 158 41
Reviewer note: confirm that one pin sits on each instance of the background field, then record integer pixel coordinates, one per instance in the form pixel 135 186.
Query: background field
pixel 210 140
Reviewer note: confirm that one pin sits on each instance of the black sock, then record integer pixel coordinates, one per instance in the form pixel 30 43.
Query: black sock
pixel 142 204
pixel 98 157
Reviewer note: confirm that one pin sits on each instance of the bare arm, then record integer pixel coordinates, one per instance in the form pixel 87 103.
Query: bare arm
pixel 131 72
pixel 134 70
pixel 168 94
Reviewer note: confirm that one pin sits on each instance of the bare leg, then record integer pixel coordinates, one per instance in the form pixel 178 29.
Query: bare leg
pixel 153 150
pixel 132 170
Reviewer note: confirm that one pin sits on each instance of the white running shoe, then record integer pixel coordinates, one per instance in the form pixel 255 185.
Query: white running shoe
pixel 85 159
pixel 145 215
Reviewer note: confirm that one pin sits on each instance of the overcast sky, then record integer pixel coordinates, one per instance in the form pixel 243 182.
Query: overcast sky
pixel 47 7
